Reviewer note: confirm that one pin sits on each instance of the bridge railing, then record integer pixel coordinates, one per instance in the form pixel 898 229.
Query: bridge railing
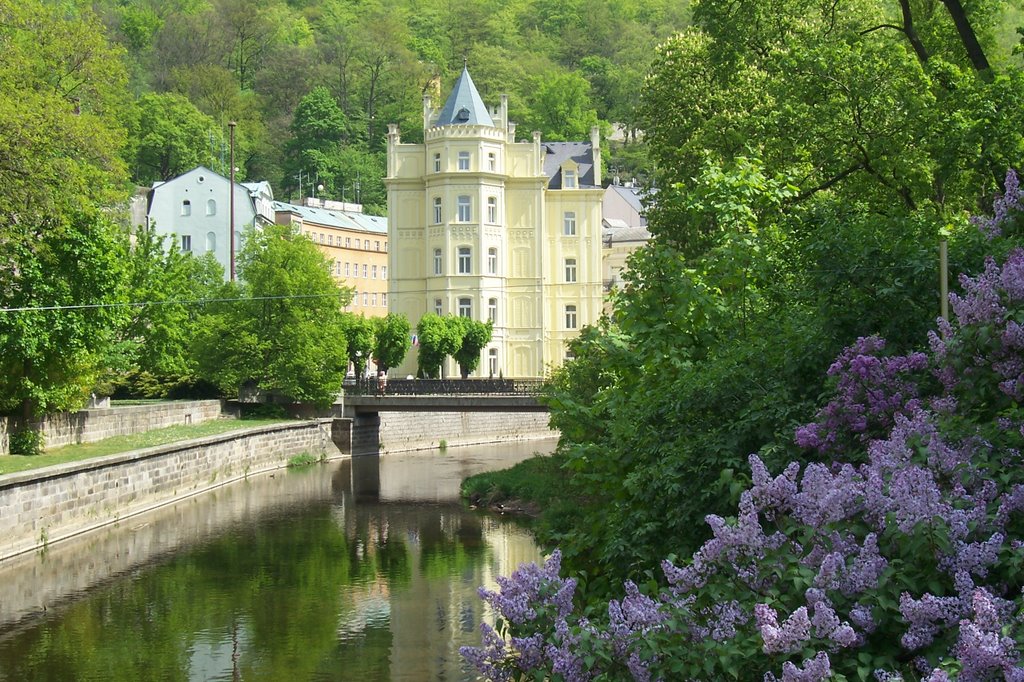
pixel 369 386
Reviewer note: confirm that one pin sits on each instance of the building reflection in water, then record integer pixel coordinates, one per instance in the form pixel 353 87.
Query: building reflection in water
pixel 362 569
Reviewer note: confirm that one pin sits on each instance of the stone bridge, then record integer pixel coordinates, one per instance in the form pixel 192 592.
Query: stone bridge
pixel 427 412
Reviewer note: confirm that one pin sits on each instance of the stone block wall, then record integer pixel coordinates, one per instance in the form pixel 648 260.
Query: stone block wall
pixel 90 425
pixel 400 431
pixel 93 424
pixel 46 505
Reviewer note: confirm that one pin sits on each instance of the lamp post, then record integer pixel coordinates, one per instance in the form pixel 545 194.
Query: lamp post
pixel 231 208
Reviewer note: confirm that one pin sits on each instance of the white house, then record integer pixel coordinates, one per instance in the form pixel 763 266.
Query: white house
pixel 195 208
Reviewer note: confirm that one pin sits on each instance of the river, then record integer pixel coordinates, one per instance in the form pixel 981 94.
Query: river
pixel 363 569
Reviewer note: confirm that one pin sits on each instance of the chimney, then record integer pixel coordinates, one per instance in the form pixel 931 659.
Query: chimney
pixel 595 143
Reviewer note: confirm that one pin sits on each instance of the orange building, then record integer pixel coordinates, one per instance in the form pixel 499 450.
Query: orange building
pixel 355 244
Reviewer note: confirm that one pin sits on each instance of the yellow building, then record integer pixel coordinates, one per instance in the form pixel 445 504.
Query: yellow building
pixel 355 244
pixel 488 227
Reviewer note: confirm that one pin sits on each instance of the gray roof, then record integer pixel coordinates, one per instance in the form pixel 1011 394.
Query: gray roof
pixel 557 153
pixel 464 106
pixel 623 235
pixel 332 218
pixel 631 195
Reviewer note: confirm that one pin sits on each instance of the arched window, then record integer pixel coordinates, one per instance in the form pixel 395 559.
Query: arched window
pixel 492 310
pixel 186 207
pixel 437 210
pixel 492 261
pixel 465 261
pixel 492 209
pixel 437 261
pixel 211 207
pixel 211 241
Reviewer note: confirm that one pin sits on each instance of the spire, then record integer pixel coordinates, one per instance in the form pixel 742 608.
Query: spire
pixel 464 106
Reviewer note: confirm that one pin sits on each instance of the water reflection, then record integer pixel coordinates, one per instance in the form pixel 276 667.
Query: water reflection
pixel 361 570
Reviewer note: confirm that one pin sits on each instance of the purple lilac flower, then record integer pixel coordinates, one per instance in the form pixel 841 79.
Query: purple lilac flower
pixel 491 659
pixel 1003 207
pixel 982 648
pixel 530 586
pixel 788 637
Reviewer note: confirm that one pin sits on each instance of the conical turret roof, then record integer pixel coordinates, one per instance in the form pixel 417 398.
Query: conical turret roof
pixel 464 106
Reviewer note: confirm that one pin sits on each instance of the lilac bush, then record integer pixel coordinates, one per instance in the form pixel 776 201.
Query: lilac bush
pixel 899 559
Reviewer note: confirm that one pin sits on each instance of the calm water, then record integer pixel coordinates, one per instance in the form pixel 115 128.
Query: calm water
pixel 358 570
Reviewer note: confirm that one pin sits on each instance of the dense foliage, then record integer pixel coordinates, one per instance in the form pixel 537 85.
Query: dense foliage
pixel 897 557
pixel 313 84
pixel 279 330
pixel 810 161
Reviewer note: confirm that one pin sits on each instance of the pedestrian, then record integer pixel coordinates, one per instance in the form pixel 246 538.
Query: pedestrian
pixel 382 382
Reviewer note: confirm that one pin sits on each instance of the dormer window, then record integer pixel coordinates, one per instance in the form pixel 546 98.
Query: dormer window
pixel 462 115
pixel 568 179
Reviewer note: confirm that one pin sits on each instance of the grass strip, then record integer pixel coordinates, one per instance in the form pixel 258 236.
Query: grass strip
pixel 534 483
pixel 110 446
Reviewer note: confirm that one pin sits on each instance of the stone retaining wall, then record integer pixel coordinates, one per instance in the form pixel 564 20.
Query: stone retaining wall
pixel 401 431
pixel 91 425
pixel 47 505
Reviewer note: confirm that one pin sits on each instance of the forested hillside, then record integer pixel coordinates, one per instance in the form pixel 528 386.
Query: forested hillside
pixel 314 83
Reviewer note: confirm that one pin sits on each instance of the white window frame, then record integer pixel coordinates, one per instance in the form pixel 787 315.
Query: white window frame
pixel 437 210
pixel 492 210
pixel 492 310
pixel 492 261
pixel 465 208
pixel 568 179
pixel 492 162
pixel 571 319
pixel 465 260
pixel 438 261
pixel 437 163
pixel 438 307
pixel 466 307
pixel 569 224
pixel 186 243
pixel 570 270
pixel 463 161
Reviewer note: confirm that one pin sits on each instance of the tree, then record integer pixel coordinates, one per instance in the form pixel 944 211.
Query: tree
pixel 561 108
pixel 319 122
pixel 154 351
pixel 281 330
pixel 171 136
pixel 359 340
pixel 475 335
pixel 392 340
pixel 60 290
pixel 61 85
pixel 439 336
pixel 863 564
pixel 62 89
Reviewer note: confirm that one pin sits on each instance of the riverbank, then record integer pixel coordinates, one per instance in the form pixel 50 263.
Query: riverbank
pixel 532 487
pixel 57 502
pixel 10 464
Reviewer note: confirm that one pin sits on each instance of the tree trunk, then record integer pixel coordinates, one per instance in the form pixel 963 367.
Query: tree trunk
pixel 967 36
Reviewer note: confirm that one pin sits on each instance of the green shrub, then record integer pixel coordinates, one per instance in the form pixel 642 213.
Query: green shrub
pixel 304 460
pixel 26 442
